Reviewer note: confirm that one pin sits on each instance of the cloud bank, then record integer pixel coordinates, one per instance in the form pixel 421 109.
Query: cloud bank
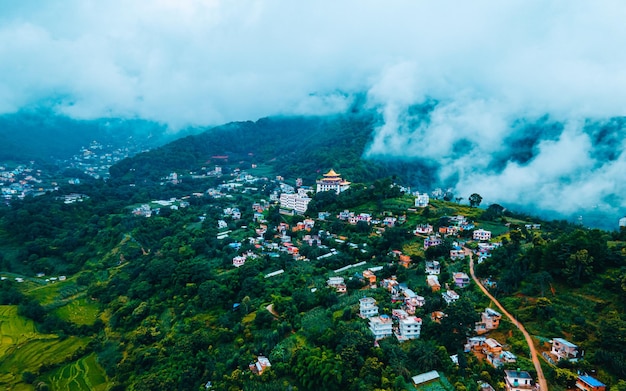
pixel 519 93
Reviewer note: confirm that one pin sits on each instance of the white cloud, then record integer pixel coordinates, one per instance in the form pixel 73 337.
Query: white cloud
pixel 208 62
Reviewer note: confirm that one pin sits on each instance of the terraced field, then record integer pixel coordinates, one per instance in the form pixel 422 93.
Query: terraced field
pixel 83 374
pixel 14 330
pixel 23 349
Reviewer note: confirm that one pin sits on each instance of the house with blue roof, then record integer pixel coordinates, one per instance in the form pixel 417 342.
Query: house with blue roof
pixel 588 383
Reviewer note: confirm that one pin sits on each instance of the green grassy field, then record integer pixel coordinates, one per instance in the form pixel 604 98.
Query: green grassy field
pixel 24 349
pixel 262 170
pixel 495 228
pixel 79 311
pixel 47 294
pixel 83 374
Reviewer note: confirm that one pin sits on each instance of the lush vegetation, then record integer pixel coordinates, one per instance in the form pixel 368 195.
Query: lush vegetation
pixel 42 135
pixel 569 282
pixel 321 143
pixel 155 302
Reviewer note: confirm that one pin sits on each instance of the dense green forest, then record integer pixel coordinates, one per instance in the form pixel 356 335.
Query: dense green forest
pixel 293 146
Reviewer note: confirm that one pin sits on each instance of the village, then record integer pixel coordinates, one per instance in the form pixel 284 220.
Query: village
pixel 401 323
pixel 32 178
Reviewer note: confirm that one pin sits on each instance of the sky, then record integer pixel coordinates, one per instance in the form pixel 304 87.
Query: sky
pixel 492 66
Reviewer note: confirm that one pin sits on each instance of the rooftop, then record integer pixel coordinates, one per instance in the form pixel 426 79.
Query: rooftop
pixel 592 381
pixel 425 377
pixel 517 374
pixel 565 342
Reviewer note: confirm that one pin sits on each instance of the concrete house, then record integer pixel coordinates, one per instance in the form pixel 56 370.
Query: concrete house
pixel 367 307
pixel 433 267
pixel 489 320
pixel 588 383
pixel 461 280
pixel 517 380
pixel 450 296
pixel 563 349
pixel 481 234
pixel 381 326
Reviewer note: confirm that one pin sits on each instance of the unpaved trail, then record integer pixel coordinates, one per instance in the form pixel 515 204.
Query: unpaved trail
pixel 533 352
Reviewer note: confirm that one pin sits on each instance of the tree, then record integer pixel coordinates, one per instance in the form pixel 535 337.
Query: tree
pixel 578 266
pixel 475 199
pixel 543 279
pixel 246 302
pixel 29 377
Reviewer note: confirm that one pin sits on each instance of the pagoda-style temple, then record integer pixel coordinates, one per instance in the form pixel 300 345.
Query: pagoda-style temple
pixel 332 181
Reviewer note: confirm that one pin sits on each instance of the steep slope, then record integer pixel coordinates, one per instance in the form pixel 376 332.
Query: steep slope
pixel 294 146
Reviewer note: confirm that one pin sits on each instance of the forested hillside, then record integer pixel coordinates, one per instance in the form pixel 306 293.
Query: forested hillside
pixel 156 303
pixel 42 135
pixel 293 146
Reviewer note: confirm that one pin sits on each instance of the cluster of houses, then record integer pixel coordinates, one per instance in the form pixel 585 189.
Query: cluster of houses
pixel 489 350
pixel 457 224
pixel 96 159
pixel 22 181
pixel 283 231
pixel 402 322
pixel 294 201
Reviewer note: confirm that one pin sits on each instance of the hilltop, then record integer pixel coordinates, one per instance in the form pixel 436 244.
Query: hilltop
pixel 293 147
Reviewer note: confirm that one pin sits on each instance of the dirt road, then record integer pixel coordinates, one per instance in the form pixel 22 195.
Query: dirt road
pixel 541 380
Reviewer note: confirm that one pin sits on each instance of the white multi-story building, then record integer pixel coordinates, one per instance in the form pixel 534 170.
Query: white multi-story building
pixel 481 234
pixel 296 202
pixel 367 307
pixel 423 229
pixel 338 283
pixel 421 200
pixel 433 267
pixel 381 326
pixel 332 182
pixel 563 349
pixel 239 261
pixel 409 328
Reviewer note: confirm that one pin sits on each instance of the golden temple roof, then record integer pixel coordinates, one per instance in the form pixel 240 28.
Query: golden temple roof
pixel 331 173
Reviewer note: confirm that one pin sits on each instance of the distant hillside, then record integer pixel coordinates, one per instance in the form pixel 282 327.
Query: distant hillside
pixel 44 135
pixel 294 146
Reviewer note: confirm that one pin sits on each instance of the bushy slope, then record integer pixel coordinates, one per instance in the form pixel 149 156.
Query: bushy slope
pixel 302 147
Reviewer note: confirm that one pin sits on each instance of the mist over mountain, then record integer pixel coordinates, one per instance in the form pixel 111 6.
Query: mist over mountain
pixel 42 135
pixel 538 169
pixel 519 101
pixel 568 168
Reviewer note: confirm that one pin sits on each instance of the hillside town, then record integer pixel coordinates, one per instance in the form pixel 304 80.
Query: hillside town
pixel 33 178
pixel 424 287
pixel 466 240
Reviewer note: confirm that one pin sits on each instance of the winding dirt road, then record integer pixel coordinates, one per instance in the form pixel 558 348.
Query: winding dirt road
pixel 533 352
